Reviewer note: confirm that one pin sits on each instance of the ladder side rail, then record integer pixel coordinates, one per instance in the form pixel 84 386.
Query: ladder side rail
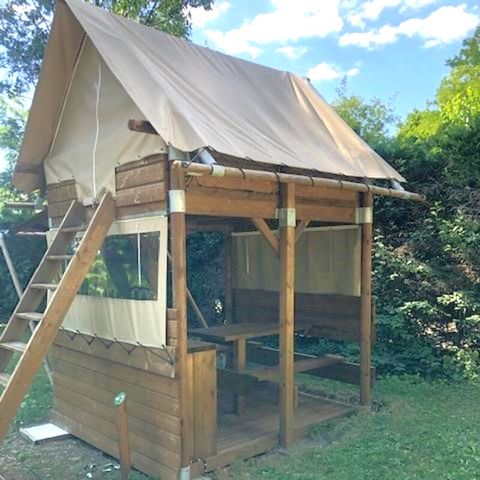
pixel 47 330
pixel 32 298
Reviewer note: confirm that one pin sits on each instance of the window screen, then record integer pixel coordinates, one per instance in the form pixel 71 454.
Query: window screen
pixel 125 267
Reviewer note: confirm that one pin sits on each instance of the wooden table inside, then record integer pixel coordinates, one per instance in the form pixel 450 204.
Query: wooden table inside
pixel 238 334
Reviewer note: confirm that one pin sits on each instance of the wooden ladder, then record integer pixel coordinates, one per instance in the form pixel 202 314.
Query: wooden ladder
pixel 49 322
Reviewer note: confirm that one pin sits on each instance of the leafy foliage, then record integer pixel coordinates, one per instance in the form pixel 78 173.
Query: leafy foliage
pixel 369 120
pixel 24 27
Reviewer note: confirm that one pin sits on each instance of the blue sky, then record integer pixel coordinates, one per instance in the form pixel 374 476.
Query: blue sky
pixel 386 48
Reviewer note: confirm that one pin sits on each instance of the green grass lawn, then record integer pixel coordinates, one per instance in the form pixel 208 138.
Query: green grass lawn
pixel 416 430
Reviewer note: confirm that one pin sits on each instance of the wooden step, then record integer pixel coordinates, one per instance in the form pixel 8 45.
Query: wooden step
pixel 273 373
pixel 44 286
pixel 59 257
pixel 77 228
pixel 14 346
pixel 34 316
pixel 4 378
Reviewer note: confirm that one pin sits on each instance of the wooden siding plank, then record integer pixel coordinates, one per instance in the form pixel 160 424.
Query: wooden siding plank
pixel 154 360
pixel 148 406
pixel 152 381
pixel 94 437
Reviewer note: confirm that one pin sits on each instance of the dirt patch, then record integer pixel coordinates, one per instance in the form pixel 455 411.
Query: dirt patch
pixel 55 460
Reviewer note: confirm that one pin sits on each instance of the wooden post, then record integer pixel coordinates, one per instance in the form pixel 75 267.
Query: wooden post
pixel 121 421
pixel 239 363
pixel 179 297
pixel 366 306
pixel 228 277
pixel 287 297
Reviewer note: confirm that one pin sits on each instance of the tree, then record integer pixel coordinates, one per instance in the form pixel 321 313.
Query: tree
pixel 371 120
pixel 24 27
pixel 469 53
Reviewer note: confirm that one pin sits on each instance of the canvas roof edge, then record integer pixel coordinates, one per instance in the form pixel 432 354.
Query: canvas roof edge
pixel 40 132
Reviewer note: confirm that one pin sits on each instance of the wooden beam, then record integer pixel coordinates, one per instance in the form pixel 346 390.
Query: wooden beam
pixel 287 309
pixel 228 279
pixel 239 363
pixel 302 225
pixel 141 126
pixel 179 296
pixel 366 307
pixel 248 174
pixel 264 229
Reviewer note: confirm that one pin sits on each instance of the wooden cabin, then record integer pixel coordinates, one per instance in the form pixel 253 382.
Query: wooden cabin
pixel 138 139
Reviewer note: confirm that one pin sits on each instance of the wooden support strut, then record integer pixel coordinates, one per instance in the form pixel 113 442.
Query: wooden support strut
pixel 264 229
pixel 287 298
pixel 366 307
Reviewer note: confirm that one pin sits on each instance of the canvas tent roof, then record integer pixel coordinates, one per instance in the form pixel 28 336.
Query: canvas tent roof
pixel 194 97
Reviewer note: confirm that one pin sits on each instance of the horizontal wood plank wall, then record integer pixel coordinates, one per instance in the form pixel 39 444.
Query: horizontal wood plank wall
pixel 233 197
pixel 325 204
pixel 332 316
pixel 84 387
pixel 60 196
pixel 140 186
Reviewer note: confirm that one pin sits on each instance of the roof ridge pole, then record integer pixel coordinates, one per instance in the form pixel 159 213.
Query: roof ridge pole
pixel 287 224
pixel 176 197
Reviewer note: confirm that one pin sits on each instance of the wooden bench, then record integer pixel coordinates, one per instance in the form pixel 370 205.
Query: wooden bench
pixel 272 374
pixel 242 379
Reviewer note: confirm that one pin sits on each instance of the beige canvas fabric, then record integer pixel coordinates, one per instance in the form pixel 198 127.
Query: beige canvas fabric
pixel 196 97
pixel 92 138
pixel 327 261
pixel 126 320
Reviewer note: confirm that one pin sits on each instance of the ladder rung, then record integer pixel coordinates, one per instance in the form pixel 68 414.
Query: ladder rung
pixel 59 257
pixel 4 378
pixel 44 286
pixel 77 228
pixel 35 316
pixel 14 346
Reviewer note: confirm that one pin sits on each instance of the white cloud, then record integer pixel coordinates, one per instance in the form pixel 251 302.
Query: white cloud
pixel 444 25
pixel 372 9
pixel 292 53
pixel 330 71
pixel 200 17
pixel 289 21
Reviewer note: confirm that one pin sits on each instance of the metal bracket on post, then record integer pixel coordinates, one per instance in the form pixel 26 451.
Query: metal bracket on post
pixel 287 217
pixel 176 201
pixel 184 473
pixel 363 215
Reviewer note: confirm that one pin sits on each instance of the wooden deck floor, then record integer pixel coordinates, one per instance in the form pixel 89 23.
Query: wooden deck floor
pixel 256 431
